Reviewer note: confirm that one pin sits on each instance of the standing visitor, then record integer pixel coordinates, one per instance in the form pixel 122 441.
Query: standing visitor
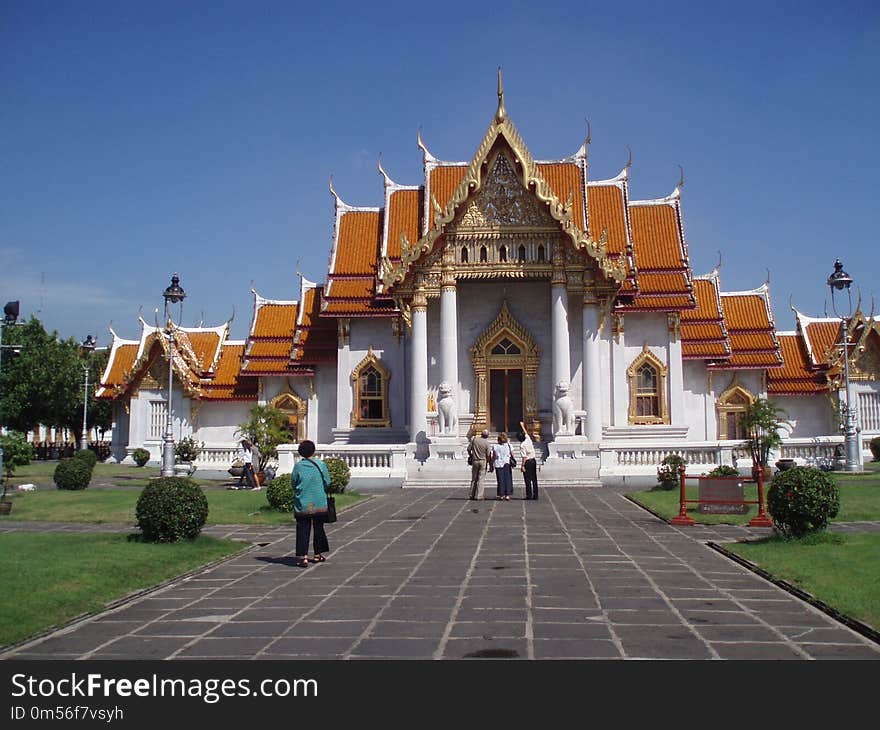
pixel 529 464
pixel 478 452
pixel 256 456
pixel 310 481
pixel 503 473
pixel 247 472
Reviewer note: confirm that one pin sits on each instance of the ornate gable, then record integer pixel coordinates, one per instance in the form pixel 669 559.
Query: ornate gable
pixel 502 188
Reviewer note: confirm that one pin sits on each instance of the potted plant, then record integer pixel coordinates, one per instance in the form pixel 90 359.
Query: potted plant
pixel 268 428
pixel 762 421
pixel 186 451
pixel 16 452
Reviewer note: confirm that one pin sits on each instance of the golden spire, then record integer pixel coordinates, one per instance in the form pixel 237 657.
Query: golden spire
pixel 500 114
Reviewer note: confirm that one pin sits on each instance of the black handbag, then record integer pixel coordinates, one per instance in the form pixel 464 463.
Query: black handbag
pixel 331 509
pixel 512 459
pixel 470 460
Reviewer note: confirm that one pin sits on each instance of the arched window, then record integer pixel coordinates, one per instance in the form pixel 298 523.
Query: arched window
pixel 521 253
pixel 370 384
pixel 484 255
pixel 502 253
pixel 732 405
pixel 295 408
pixel 464 254
pixel 647 390
pixel 541 256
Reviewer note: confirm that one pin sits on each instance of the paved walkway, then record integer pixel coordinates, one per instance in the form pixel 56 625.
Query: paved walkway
pixel 581 574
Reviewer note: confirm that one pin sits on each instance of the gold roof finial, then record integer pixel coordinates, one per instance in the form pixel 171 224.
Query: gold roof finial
pixel 500 114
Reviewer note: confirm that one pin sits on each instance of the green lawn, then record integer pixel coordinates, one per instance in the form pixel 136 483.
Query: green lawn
pixel 842 570
pixel 54 577
pixel 859 500
pixel 225 507
pixel 41 473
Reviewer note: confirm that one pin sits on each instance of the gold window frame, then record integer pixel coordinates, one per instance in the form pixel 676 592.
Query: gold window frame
pixel 297 410
pixel 724 407
pixel 371 360
pixel 648 358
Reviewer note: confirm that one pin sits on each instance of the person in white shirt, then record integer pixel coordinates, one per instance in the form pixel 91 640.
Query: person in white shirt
pixel 247 457
pixel 528 463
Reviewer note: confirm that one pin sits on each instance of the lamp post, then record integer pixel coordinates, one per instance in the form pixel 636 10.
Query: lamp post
pixel 174 294
pixel 838 281
pixel 87 347
pixel 10 315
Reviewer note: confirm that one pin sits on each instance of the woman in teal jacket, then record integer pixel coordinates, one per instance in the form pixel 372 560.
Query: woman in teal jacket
pixel 310 480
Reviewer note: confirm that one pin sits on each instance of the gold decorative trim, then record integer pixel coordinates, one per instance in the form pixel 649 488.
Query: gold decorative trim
pixel 648 357
pixel 723 406
pixel 296 408
pixel 371 360
pixel 473 180
pixel 483 360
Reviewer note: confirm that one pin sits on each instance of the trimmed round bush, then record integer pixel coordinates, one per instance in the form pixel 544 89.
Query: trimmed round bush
pixel 171 509
pixel 140 456
pixel 802 500
pixel 340 475
pixel 73 474
pixel 279 493
pixel 88 456
pixel 667 472
pixel 875 447
pixel 723 470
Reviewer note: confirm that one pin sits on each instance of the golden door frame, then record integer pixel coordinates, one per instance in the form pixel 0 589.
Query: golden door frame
pixel 528 361
pixel 295 408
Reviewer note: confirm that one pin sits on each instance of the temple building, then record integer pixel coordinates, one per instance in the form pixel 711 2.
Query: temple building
pixel 497 290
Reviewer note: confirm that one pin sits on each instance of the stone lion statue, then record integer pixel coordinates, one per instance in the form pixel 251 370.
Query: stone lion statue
pixel 446 416
pixel 563 410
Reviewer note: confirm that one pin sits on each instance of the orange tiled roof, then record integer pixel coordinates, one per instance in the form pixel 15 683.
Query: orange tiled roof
pixel 662 278
pixel 228 383
pixel 315 337
pixel 403 217
pixel 566 178
pixel 703 330
pixel 442 182
pixel 269 343
pixel 606 211
pixel 796 376
pixel 123 354
pixel 820 337
pixel 752 332
pixel 357 243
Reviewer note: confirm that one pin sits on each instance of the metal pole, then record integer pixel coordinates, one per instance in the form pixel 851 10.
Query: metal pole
pixel 168 440
pixel 84 441
pixel 852 445
pixel 1 400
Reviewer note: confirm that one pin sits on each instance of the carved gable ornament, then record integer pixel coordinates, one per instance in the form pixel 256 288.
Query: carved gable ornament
pixel 502 202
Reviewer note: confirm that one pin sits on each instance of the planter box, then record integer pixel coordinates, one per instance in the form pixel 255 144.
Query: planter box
pixel 722 489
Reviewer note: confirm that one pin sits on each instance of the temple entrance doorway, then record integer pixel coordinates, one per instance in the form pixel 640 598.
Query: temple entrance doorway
pixel 505 399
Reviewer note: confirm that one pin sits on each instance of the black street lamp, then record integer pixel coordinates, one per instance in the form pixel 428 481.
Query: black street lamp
pixel 174 294
pixel 10 315
pixel 87 347
pixel 837 282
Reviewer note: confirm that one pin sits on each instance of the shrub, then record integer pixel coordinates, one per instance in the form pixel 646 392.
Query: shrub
pixel 875 447
pixel 723 471
pixel 802 500
pixel 340 475
pixel 171 509
pixel 72 474
pixel 16 451
pixel 87 456
pixel 140 456
pixel 279 493
pixel 187 449
pixel 667 472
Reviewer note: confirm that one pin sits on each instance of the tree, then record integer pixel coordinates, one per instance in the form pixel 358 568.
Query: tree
pixel 762 420
pixel 100 412
pixel 268 428
pixel 16 452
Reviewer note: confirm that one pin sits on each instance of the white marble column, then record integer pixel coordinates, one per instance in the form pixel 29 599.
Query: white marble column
pixel 418 406
pixel 592 371
pixel 449 343
pixel 344 385
pixel 675 365
pixel 561 358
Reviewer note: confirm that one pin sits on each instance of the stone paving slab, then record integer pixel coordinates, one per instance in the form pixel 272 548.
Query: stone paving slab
pixel 427 574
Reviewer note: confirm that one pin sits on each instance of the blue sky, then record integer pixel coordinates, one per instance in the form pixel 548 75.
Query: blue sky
pixel 140 139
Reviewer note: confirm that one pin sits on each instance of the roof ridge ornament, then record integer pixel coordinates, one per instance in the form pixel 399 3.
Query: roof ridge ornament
pixel 718 265
pixel 680 184
pixel 388 180
pixel 427 157
pixel 500 114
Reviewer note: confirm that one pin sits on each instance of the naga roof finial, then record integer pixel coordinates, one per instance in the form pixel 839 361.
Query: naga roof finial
pixel 681 179
pixel 500 114
pixel 629 162
pixel 589 131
